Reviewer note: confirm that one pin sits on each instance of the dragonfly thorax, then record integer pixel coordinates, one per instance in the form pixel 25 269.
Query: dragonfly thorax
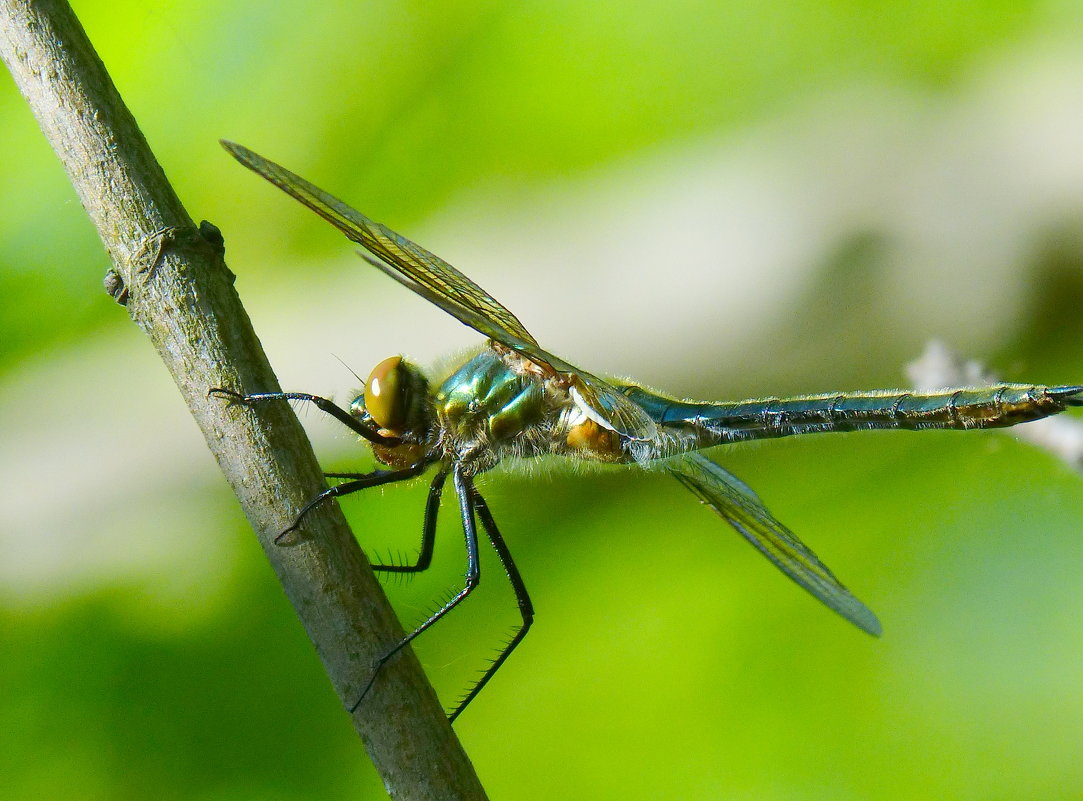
pixel 487 411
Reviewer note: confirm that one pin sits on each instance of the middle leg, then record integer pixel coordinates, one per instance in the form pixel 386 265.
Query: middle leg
pixel 363 481
pixel 428 530
pixel 463 488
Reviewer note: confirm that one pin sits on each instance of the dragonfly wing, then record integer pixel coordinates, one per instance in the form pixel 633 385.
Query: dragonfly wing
pixel 441 284
pixel 612 409
pixel 739 506
pixel 602 401
pixel 463 314
pixel 408 258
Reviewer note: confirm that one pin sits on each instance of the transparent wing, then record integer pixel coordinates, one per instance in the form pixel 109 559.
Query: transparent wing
pixel 610 407
pixel 739 506
pixel 441 284
pixel 412 260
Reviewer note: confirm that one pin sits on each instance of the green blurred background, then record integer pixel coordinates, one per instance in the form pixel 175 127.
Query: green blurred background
pixel 719 199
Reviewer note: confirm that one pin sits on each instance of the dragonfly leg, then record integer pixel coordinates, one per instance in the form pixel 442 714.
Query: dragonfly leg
pixel 526 608
pixel 463 488
pixel 364 481
pixel 428 531
pixel 323 404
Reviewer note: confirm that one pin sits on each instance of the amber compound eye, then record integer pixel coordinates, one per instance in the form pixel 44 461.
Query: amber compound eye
pixel 385 394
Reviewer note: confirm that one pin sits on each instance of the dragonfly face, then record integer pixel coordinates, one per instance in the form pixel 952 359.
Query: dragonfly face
pixel 515 400
pixel 395 403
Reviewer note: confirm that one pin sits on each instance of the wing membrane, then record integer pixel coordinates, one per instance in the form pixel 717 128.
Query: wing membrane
pixel 409 258
pixel 610 406
pixel 739 506
pixel 442 285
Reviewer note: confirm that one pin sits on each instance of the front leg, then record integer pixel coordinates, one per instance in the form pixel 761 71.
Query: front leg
pixel 323 404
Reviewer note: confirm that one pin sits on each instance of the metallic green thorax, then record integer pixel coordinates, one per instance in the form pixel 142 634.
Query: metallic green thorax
pixel 485 403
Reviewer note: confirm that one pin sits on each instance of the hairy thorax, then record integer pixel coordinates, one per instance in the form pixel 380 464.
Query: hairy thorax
pixel 495 407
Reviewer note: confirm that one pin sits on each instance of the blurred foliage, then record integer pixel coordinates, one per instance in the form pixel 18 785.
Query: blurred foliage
pixel 668 660
pixel 414 100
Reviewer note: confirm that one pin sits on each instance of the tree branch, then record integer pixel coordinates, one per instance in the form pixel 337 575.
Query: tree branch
pixel 177 288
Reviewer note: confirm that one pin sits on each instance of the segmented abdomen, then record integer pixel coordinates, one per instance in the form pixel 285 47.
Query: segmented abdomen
pixel 983 407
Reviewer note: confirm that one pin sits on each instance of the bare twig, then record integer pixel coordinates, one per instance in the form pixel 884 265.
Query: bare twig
pixel 940 367
pixel 176 286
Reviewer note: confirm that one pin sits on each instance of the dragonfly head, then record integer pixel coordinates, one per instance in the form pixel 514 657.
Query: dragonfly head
pixel 396 403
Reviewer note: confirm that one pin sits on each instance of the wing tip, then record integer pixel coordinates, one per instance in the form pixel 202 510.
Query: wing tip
pixel 866 620
pixel 245 156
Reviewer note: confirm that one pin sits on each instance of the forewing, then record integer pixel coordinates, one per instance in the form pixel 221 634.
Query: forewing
pixel 409 258
pixel 739 506
pixel 602 401
pixel 441 284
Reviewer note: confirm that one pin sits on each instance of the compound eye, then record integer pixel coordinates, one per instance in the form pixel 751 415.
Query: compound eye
pixel 385 394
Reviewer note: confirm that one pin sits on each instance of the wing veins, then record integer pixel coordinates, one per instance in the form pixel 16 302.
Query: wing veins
pixel 442 285
pixel 739 506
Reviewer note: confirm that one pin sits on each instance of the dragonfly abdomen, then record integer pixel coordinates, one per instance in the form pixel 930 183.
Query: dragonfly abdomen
pixel 965 408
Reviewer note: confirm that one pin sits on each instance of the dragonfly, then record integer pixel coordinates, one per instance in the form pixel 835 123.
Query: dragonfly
pixel 512 399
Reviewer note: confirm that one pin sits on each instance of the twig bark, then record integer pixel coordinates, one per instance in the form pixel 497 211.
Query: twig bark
pixel 176 287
